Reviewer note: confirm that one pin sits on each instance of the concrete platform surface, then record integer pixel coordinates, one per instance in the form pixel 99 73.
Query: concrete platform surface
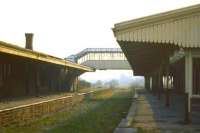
pixel 125 130
pixel 153 115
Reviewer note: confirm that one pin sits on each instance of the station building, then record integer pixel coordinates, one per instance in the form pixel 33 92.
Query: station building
pixel 25 72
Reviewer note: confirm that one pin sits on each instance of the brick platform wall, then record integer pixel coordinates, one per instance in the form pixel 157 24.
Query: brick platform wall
pixel 25 113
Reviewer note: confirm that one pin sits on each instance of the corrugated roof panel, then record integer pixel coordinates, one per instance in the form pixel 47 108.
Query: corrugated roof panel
pixel 131 36
pixel 196 30
pixel 135 35
pixel 182 30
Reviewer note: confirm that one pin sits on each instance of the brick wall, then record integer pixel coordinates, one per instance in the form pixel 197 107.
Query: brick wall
pixel 25 113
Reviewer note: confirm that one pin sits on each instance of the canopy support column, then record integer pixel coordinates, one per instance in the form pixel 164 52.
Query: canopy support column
pixel 188 84
pixel 160 75
pixel 167 102
pixel 167 91
pixel 154 83
pixel 147 82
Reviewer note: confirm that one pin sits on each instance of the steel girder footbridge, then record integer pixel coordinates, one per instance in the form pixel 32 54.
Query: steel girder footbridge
pixel 101 58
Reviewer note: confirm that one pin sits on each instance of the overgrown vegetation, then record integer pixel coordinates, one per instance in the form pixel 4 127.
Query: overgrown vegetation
pixel 83 84
pixel 99 113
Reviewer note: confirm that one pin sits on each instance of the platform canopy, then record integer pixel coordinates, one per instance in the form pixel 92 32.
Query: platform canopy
pixel 14 50
pixel 148 41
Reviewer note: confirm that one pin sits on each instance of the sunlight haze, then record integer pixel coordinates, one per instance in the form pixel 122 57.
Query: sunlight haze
pixel 65 27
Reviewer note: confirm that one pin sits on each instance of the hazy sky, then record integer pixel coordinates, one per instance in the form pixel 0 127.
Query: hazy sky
pixel 106 75
pixel 64 27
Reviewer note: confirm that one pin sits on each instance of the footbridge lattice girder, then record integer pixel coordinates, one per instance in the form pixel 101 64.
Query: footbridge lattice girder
pixel 102 58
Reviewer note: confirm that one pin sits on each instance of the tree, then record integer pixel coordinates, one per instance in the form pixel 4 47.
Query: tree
pixel 84 84
pixel 98 84
pixel 113 84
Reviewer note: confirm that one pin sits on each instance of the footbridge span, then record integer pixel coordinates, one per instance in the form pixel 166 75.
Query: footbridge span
pixel 101 58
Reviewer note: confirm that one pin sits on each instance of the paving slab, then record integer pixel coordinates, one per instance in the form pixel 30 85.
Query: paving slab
pixel 125 130
pixel 124 125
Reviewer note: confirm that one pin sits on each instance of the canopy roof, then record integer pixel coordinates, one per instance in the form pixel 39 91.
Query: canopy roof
pixel 148 41
pixel 179 27
pixel 38 56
